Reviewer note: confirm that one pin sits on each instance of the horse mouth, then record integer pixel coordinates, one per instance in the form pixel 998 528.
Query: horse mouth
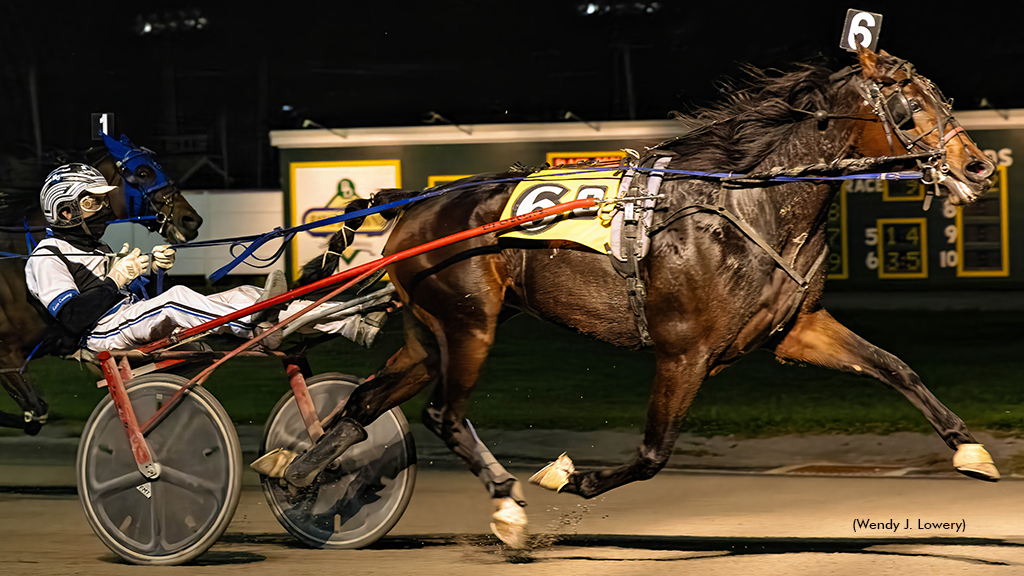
pixel 962 193
pixel 178 236
pixel 966 183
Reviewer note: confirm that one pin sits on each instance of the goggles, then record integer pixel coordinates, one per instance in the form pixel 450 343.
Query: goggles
pixel 91 203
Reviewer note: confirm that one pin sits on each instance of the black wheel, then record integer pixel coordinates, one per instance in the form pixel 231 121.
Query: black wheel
pixel 359 497
pixel 177 517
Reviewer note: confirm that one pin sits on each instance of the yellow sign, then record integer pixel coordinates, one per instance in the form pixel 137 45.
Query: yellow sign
pixel 321 190
pixel 549 188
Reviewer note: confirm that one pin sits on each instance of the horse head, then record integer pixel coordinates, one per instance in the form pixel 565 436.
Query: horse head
pixel 916 117
pixel 150 197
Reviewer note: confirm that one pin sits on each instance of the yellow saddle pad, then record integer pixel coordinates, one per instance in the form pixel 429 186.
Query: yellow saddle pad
pixel 549 188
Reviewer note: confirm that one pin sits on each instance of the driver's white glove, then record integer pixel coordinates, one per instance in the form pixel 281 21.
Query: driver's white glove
pixel 163 257
pixel 128 268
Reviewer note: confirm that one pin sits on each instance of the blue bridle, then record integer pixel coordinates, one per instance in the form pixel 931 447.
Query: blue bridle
pixel 143 177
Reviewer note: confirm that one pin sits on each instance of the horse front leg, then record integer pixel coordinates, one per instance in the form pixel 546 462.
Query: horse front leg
pixel 819 339
pixel 676 380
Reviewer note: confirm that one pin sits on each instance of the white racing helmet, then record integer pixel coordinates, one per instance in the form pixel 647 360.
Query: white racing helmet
pixel 68 191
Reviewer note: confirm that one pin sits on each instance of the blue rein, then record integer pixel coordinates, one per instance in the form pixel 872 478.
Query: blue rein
pixel 257 241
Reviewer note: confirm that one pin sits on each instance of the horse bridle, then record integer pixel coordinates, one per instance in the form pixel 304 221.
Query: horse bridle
pixel 896 112
pixel 143 180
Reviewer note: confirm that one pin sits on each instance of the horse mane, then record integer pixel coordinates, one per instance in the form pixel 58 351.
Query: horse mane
pixel 738 133
pixel 19 189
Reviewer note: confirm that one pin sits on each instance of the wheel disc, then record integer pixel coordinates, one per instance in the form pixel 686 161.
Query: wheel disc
pixel 360 496
pixel 181 514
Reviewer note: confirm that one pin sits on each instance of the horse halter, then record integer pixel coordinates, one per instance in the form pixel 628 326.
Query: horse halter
pixel 143 180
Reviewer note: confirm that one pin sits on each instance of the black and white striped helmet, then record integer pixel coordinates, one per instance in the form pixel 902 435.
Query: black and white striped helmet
pixel 63 190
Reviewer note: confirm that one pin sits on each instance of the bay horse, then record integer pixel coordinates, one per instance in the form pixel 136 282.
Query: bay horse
pixel 713 292
pixel 27 330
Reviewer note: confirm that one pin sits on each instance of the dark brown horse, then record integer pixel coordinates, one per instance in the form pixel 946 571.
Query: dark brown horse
pixel 714 292
pixel 24 326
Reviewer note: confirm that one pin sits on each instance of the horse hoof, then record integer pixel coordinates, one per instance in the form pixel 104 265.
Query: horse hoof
pixel 974 461
pixel 555 475
pixel 509 522
pixel 273 463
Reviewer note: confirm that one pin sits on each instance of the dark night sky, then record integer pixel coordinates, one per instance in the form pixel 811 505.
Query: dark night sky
pixel 377 63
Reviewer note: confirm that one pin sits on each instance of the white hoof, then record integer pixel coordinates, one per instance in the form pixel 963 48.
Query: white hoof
pixel 273 463
pixel 974 461
pixel 509 522
pixel 555 475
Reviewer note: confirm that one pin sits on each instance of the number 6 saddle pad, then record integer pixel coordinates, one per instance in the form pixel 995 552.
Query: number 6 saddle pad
pixel 588 226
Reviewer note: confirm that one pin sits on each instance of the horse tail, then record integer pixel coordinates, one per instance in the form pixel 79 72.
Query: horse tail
pixel 389 195
pixel 323 266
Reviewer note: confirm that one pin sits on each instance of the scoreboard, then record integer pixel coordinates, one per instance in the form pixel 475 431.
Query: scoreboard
pixel 879 231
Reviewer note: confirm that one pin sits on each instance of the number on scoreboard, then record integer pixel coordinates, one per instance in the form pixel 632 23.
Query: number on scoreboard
pixel 835 233
pixel 902 248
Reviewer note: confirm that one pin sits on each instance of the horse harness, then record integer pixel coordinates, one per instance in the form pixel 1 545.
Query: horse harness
pixel 637 207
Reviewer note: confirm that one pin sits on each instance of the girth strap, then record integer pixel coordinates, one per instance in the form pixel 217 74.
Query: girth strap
pixel 632 236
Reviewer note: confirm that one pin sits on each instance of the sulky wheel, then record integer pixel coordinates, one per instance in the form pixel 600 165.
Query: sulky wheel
pixel 360 496
pixel 181 514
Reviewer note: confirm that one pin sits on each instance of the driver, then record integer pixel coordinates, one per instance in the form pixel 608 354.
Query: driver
pixel 88 289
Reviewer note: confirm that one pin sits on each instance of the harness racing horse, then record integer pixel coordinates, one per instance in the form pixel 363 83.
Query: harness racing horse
pixel 717 287
pixel 144 194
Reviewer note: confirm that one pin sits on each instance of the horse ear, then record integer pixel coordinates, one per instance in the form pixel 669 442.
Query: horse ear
pixel 868 61
pixel 94 154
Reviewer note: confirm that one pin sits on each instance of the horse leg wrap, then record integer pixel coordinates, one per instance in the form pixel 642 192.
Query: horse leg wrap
pixel 335 441
pixel 497 480
pixel 974 461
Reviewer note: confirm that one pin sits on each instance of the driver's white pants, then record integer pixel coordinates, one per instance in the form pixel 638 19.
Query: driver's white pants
pixel 134 324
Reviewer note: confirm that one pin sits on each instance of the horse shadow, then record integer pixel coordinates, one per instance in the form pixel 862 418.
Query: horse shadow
pixel 545 548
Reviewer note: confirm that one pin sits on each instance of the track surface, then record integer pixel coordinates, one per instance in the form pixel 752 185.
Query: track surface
pixel 698 523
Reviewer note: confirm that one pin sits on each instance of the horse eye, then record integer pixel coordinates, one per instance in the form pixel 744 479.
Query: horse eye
pixel 915 106
pixel 144 173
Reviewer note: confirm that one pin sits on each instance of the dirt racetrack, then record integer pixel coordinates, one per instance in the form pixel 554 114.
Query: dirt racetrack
pixel 678 522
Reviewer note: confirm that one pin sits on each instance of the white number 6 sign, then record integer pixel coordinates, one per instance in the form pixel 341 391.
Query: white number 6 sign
pixel 861 29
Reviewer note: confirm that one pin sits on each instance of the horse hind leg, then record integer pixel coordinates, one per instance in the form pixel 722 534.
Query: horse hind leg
pixel 407 372
pixel 817 338
pixel 509 519
pixel 464 342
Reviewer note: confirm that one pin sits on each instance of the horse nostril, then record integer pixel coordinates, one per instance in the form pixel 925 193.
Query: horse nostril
pixel 192 222
pixel 978 170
